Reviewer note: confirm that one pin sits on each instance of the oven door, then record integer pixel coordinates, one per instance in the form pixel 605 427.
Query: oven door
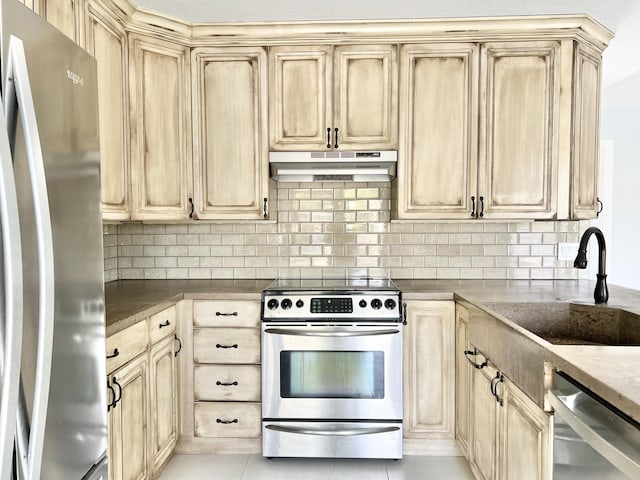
pixel 332 372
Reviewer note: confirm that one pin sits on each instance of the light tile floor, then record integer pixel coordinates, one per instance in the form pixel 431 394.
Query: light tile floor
pixel 255 467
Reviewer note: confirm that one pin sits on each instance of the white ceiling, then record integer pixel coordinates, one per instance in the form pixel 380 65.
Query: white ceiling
pixel 609 12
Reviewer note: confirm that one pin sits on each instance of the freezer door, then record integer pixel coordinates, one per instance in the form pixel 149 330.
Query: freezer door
pixel 63 81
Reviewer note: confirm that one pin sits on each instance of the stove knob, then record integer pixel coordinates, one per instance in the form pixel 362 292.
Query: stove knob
pixel 363 303
pixel 272 304
pixel 286 304
pixel 299 303
pixel 389 304
pixel 376 304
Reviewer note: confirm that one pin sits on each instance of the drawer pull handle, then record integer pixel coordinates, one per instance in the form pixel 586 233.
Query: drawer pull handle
pixel 235 345
pixel 116 400
pixel 165 324
pixel 226 422
pixel 223 314
pixel 226 384
pixel 175 337
pixel 114 354
pixel 480 366
pixel 113 396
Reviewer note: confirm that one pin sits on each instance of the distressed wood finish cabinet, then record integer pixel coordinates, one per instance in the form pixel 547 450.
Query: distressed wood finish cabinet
pixel 230 141
pixel 463 379
pixel 525 148
pixel 143 380
pixel 429 382
pixel 220 387
pixel 325 97
pixel 510 434
pixel 107 42
pixel 161 172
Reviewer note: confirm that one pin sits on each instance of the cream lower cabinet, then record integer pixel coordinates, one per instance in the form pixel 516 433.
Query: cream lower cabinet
pixel 221 386
pixel 510 434
pixel 143 415
pixel 230 140
pixel 463 379
pixel 429 377
pixel 333 98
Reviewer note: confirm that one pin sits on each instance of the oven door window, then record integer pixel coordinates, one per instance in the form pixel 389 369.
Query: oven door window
pixel 331 374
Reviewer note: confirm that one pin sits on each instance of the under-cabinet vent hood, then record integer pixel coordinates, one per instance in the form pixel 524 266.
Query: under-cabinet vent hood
pixel 333 166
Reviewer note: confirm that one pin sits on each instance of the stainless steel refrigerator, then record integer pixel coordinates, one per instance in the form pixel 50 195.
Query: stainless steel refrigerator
pixel 53 410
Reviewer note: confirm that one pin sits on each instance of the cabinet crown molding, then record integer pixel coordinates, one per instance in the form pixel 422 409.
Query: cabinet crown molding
pixel 556 27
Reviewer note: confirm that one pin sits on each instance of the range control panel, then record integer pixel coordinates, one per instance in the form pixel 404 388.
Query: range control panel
pixel 288 306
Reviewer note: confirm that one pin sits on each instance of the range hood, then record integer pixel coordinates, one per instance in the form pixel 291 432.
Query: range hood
pixel 369 166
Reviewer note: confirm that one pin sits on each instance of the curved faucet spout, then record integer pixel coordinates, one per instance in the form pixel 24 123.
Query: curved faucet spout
pixel 601 293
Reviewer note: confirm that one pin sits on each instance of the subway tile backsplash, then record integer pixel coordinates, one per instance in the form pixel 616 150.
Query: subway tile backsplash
pixel 334 230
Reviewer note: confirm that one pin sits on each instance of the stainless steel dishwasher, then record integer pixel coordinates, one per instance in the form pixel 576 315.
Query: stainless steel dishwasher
pixel 592 440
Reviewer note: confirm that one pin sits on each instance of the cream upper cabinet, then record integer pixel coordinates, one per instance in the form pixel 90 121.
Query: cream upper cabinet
pixel 160 129
pixel 107 42
pixel 429 369
pixel 519 111
pixel 333 98
pixel 230 144
pixel 437 164
pixel 586 128
pixel 66 15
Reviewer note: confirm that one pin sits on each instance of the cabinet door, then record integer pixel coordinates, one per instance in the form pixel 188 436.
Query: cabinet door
pixel 429 370
pixel 108 44
pixel 230 132
pixel 524 439
pixel 586 130
pixel 463 378
pixel 437 164
pixel 128 422
pixel 299 97
pixel 63 14
pixel 164 401
pixel 365 97
pixel 519 129
pixel 160 129
pixel 484 417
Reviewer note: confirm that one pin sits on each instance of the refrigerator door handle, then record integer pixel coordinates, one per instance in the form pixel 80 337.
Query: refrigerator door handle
pixel 19 100
pixel 11 317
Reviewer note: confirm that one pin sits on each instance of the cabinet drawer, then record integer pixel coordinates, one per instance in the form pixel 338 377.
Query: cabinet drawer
pixel 227 382
pixel 227 419
pixel 226 345
pixel 162 324
pixel 129 343
pixel 226 313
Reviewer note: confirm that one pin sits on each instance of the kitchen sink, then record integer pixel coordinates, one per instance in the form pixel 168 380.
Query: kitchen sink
pixel 572 323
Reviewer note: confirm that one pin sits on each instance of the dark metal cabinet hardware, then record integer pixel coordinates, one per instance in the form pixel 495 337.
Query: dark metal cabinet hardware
pixel 192 207
pixel 235 345
pixel 114 354
pixel 499 378
pixel 111 404
pixel 600 206
pixel 119 397
pixel 404 313
pixel 481 207
pixel 165 324
pixel 175 337
pixel 226 384
pixel 473 206
pixel 226 422
pixel 336 139
pixel 328 137
pixel 223 314
pixel 470 353
pixel 265 214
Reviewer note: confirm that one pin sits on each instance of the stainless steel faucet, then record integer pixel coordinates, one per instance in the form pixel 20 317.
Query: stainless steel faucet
pixel 601 293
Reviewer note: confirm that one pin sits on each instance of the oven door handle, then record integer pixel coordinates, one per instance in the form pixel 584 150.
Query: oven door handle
pixel 346 432
pixel 306 333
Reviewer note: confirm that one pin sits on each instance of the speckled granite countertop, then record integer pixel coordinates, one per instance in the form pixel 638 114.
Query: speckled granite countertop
pixel 611 372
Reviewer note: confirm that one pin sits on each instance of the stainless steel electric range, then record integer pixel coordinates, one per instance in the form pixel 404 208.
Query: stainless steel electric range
pixel 332 369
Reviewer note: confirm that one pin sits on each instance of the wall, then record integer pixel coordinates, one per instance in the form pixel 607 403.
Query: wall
pixel 336 230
